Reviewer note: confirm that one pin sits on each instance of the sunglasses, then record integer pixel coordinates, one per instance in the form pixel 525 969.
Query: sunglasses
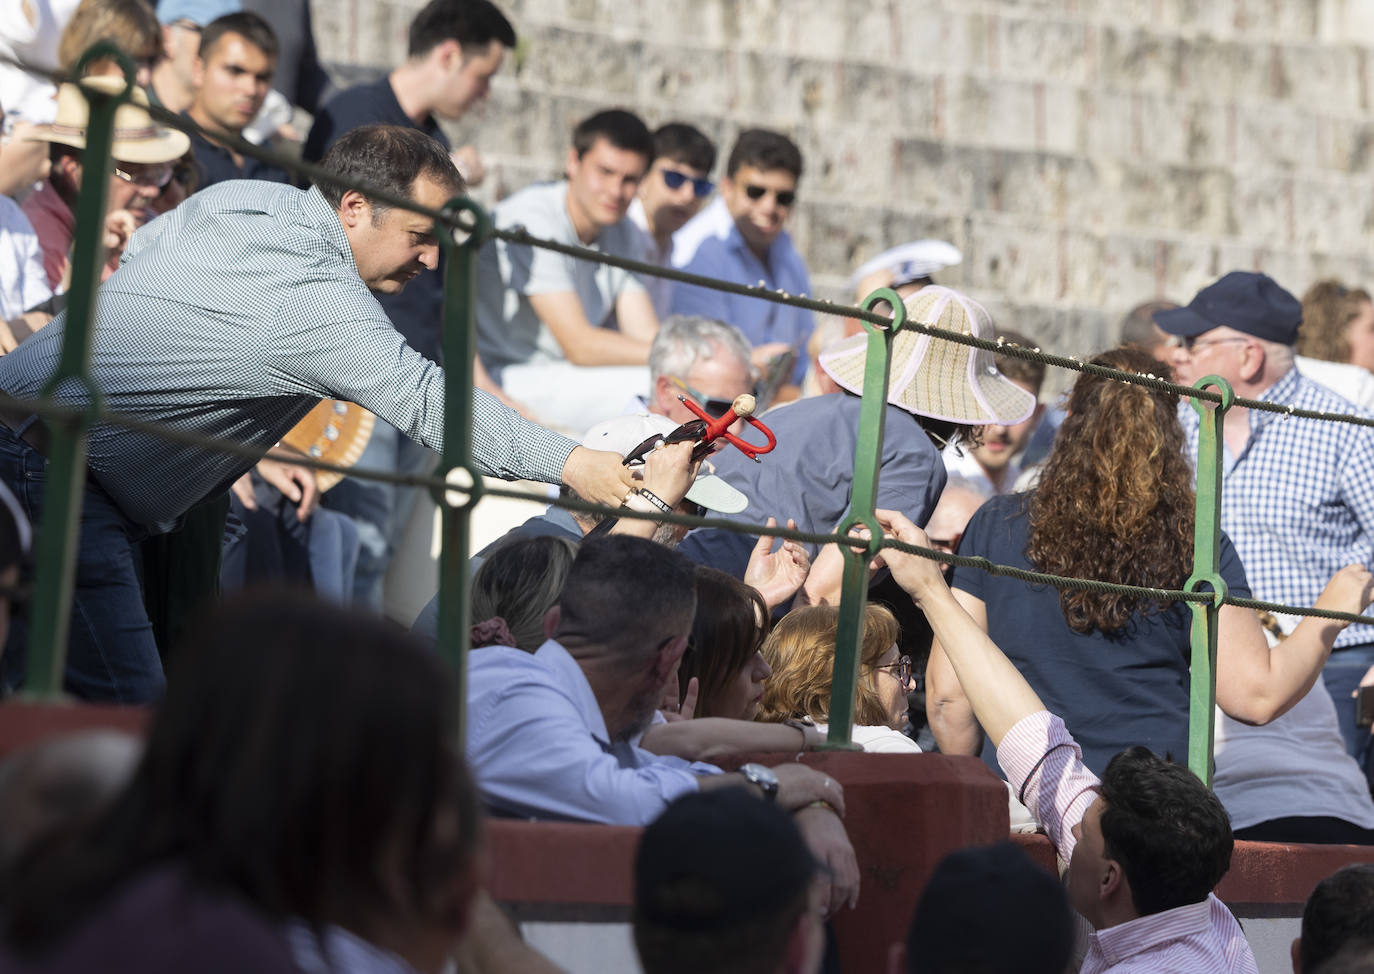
pixel 785 197
pixel 156 176
pixel 903 668
pixel 673 179
pixel 716 407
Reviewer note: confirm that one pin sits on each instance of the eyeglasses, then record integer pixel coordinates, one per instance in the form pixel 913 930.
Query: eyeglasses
pixel 1190 343
pixel 674 180
pixel 716 407
pixel 785 197
pixel 156 176
pixel 903 668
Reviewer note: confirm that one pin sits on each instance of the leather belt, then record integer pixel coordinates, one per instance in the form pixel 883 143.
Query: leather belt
pixel 28 427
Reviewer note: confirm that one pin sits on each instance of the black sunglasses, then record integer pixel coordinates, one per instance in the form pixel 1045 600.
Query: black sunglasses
pixel 716 407
pixel 675 180
pixel 785 197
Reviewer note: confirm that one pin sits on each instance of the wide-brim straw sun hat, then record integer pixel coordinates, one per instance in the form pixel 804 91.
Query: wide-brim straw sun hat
pixel 137 138
pixel 937 377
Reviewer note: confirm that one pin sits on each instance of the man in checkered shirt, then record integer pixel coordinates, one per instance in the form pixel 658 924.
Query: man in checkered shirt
pixel 231 317
pixel 1298 494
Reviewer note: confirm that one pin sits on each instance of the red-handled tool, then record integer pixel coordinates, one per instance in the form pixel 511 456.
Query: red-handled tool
pixel 708 429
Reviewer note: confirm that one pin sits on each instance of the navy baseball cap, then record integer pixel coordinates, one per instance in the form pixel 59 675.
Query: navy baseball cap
pixel 1244 300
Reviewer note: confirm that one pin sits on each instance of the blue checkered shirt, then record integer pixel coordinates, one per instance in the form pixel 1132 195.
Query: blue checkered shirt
pixel 1298 502
pixel 231 316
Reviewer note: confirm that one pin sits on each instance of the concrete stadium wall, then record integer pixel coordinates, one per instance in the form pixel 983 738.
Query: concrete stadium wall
pixel 1084 154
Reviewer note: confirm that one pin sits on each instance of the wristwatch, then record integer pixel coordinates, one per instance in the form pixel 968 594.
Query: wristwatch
pixel 757 774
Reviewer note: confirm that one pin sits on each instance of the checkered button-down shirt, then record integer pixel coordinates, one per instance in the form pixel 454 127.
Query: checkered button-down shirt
pixel 231 316
pixel 1298 502
pixel 1045 767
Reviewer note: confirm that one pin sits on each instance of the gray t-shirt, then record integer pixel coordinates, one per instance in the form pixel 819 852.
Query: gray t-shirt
pixel 508 330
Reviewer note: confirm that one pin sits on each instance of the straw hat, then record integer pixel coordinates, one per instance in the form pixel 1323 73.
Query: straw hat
pixel 137 138
pixel 933 376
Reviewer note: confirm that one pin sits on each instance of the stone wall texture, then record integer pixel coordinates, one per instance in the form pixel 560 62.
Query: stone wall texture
pixel 1085 155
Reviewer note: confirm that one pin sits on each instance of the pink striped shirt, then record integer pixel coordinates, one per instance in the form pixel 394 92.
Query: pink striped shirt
pixel 1045 765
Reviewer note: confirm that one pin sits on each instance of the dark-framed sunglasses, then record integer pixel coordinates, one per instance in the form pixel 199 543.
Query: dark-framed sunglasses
pixel 716 407
pixel 701 188
pixel 785 197
pixel 903 669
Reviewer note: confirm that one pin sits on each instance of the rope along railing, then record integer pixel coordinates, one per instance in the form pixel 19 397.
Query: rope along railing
pixel 463 227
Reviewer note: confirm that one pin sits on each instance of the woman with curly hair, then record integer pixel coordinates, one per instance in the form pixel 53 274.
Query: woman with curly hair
pixel 1115 503
pixel 801 651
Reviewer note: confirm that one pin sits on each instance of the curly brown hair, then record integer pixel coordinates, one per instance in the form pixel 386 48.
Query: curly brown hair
pixel 1115 501
pixel 801 652
pixel 1328 307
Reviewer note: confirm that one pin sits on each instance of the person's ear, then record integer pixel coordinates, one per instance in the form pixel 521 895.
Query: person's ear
pixel 664 393
pixel 1252 365
pixel 669 655
pixel 572 164
pixel 1295 951
pixel 198 72
pixel 354 209
pixel 551 619
pixel 1113 882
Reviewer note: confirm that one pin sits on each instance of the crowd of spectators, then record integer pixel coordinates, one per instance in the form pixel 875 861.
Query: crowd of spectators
pixel 619 659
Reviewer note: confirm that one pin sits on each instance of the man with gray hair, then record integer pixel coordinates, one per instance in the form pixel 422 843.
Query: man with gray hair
pixel 699 357
pixel 1299 493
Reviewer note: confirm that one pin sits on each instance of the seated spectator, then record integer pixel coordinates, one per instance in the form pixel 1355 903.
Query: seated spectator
pixel 671 193
pixel 130 25
pixel 300 81
pixel 801 653
pixel 142 153
pixel 741 238
pixel 705 360
pixel 232 74
pixel 1337 923
pixel 567 337
pixel 994 462
pixel 29 34
pixel 173 84
pixel 724 882
pixel 1336 342
pixel 60 783
pixel 553 735
pixel 958 502
pixel 1145 845
pixel 808 478
pixel 512 591
pixel 989 910
pixel 1291 779
pixel 1139 330
pixel 723 654
pixel 270 815
pixel 1116 502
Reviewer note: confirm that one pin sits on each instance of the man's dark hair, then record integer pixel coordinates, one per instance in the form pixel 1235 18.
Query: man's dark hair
pixel 1339 914
pixel 270 773
pixel 474 24
pixel 687 144
pixel 622 129
pixel 247 25
pixel 990 910
pixel 389 158
pixel 627 591
pixel 721 880
pixel 1167 829
pixel 764 150
pixel 1357 958
pixel 1020 369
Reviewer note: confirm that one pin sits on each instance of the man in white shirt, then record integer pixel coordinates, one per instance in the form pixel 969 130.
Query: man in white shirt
pixel 674 189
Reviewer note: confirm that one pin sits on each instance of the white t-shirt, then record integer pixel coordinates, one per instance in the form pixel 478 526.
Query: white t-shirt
pixel 23 283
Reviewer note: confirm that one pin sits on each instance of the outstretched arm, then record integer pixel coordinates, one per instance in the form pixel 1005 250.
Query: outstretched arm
pixel 998 693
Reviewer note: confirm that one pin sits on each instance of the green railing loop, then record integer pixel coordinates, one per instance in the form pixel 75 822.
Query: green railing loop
pixel 456 502
pixel 66 475
pixel 1206 572
pixel 862 499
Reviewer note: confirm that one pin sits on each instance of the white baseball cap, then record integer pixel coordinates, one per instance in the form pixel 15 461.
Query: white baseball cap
pixel 623 433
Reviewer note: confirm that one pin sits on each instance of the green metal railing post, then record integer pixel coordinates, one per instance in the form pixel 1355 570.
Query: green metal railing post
pixel 465 485
pixel 1206 574
pixel 862 498
pixel 66 476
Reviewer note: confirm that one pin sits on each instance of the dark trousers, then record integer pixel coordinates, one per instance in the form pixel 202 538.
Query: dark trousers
pixel 111 653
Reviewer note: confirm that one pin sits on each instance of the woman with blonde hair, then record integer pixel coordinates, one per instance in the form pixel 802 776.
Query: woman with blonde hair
pixel 1116 503
pixel 801 651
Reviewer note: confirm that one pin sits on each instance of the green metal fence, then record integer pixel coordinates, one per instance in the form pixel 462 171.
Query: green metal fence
pixel 463 227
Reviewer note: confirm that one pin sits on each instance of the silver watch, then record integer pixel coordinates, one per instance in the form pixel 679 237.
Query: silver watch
pixel 757 774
